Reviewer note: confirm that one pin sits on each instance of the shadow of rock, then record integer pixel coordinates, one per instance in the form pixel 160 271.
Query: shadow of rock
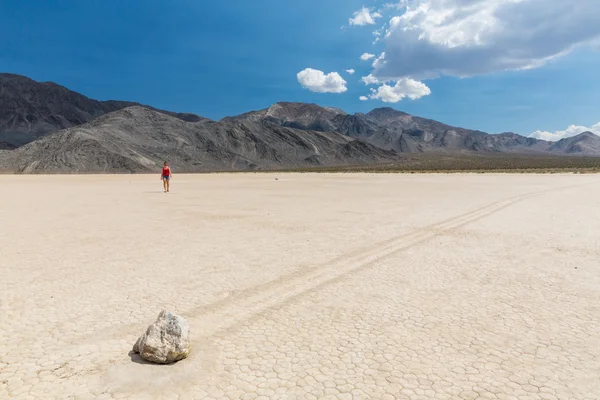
pixel 136 358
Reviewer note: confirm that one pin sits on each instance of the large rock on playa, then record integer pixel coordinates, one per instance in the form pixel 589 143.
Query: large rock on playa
pixel 165 341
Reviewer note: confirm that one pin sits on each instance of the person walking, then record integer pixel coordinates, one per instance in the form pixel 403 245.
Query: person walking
pixel 165 176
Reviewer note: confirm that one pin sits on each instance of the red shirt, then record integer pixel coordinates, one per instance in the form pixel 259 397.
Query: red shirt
pixel 166 171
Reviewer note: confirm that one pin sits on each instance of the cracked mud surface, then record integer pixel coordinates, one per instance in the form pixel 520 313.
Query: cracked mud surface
pixel 309 287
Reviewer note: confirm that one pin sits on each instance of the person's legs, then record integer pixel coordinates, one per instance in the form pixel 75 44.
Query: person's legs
pixel 165 183
pixel 168 184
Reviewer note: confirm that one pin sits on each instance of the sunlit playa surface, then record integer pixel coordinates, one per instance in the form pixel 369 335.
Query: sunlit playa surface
pixel 303 286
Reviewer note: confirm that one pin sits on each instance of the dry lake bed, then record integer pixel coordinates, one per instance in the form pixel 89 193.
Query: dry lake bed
pixel 303 286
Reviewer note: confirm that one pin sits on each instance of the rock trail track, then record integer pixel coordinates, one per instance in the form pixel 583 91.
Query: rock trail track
pixel 271 295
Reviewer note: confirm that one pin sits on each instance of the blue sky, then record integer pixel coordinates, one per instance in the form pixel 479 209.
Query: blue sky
pixel 218 58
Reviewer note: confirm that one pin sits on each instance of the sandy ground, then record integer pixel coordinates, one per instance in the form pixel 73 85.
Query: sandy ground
pixel 305 287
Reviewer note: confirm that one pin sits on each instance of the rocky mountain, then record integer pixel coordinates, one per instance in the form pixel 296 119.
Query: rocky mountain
pixel 390 129
pixel 119 136
pixel 585 143
pixel 137 139
pixel 407 133
pixel 6 146
pixel 30 109
pixel 295 115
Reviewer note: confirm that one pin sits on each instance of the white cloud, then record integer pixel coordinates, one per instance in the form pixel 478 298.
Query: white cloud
pixel 429 38
pixel 378 33
pixel 317 81
pixel 363 98
pixel 350 71
pixel 398 5
pixel 364 16
pixel 403 88
pixel 367 56
pixel 370 80
pixel 380 61
pixel 572 130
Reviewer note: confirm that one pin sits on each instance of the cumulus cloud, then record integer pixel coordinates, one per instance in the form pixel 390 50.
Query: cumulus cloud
pixel 364 16
pixel 367 56
pixel 317 81
pixel 350 71
pixel 369 80
pixel 572 130
pixel 363 98
pixel 429 38
pixel 403 88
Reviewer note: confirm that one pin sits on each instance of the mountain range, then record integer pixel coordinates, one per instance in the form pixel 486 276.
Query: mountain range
pixel 137 139
pixel 390 129
pixel 30 109
pixel 45 127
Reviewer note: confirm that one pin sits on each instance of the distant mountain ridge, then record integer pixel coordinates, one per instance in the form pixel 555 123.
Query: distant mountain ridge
pixel 395 130
pixel 584 143
pixel 45 127
pixel 30 109
pixel 137 139
pixel 295 115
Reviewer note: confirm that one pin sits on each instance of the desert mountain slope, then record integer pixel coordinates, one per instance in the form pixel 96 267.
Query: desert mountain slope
pixel 295 115
pixel 585 143
pixel 137 139
pixel 125 136
pixel 394 130
pixel 30 109
pixel 408 133
pixel 405 132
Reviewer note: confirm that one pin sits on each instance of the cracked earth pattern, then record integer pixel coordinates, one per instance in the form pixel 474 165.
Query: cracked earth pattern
pixel 489 291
